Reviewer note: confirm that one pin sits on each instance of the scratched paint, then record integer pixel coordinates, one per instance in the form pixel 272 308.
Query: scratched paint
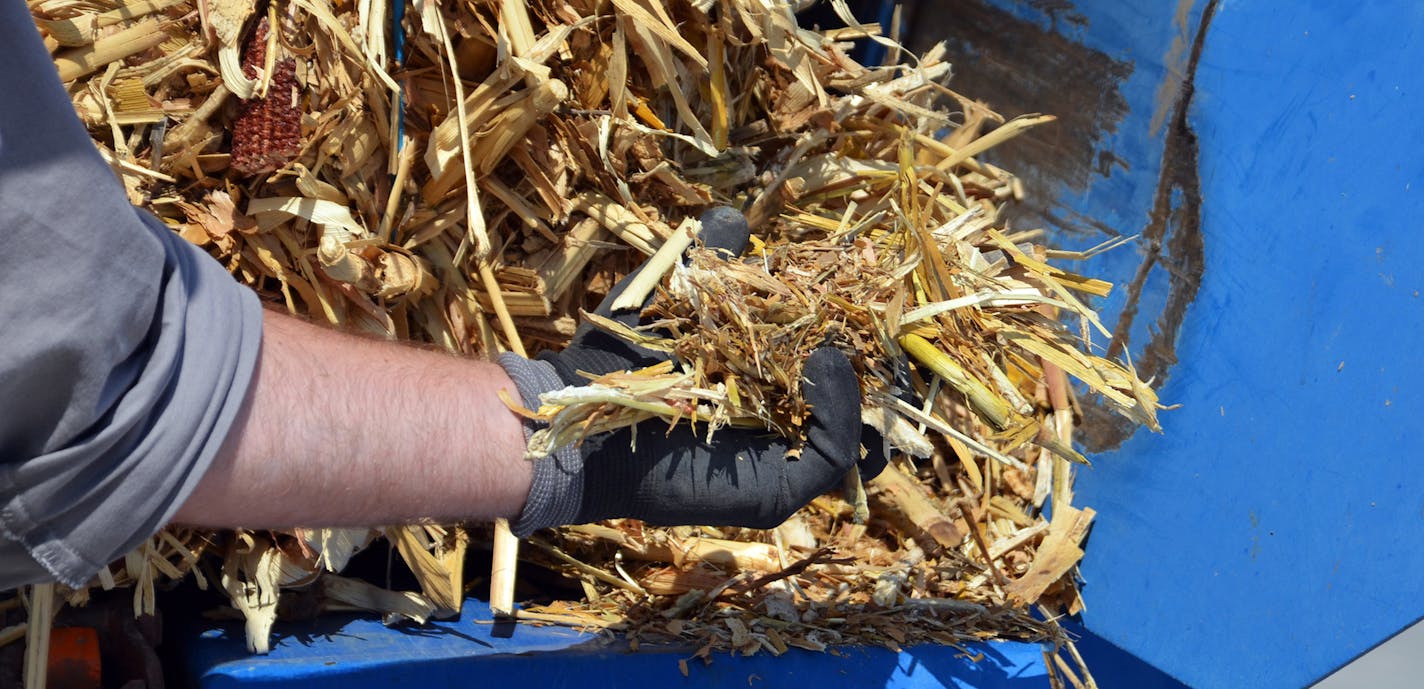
pixel 1019 66
pixel 1172 248
pixel 1084 173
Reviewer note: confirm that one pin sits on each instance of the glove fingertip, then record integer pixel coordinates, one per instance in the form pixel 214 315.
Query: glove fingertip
pixel 725 229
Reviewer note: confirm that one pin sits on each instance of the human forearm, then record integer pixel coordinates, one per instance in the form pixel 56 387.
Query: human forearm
pixel 340 430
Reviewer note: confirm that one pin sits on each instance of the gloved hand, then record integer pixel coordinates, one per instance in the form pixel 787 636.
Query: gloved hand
pixel 742 478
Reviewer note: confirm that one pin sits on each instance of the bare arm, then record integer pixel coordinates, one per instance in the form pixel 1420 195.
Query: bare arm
pixel 340 430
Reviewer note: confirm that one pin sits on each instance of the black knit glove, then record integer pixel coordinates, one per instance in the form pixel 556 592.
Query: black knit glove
pixel 742 478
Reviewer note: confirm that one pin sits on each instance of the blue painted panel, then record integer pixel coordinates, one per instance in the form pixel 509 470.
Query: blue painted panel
pixel 1274 531
pixel 344 652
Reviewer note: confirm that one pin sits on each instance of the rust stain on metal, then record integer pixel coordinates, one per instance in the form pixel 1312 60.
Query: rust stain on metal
pixel 1176 63
pixel 1172 241
pixel 1018 66
pixel 1059 10
pixel 1014 63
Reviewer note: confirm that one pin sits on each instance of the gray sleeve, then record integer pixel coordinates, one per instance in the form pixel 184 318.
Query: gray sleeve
pixel 126 352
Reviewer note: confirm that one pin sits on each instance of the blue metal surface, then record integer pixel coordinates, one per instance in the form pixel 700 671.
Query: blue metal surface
pixel 1273 532
pixel 1267 155
pixel 345 652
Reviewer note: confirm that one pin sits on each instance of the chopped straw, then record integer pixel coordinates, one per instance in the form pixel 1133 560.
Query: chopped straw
pixel 486 193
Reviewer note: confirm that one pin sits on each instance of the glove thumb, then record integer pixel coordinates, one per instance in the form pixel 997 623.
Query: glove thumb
pixel 832 391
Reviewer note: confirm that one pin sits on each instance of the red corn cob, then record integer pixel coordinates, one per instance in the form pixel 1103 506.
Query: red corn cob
pixel 268 132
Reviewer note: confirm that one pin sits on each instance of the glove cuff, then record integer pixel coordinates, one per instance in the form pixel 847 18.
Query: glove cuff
pixel 556 492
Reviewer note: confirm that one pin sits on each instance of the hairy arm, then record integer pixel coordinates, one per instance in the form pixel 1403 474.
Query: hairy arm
pixel 340 430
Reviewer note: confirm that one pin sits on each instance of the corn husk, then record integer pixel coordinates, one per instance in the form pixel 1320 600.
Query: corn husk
pixel 485 195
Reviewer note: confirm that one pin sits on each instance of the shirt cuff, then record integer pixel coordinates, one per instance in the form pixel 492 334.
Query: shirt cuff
pixel 556 492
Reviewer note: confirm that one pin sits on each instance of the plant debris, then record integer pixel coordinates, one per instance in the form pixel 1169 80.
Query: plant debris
pixel 479 176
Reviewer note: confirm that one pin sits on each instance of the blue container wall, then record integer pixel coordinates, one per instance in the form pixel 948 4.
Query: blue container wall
pixel 342 652
pixel 1267 157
